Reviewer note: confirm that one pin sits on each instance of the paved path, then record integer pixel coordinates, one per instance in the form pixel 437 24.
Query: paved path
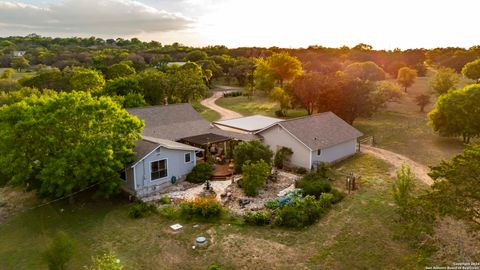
pixel 224 113
pixel 420 170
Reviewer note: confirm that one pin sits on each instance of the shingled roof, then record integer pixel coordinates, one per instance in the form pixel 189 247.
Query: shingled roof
pixel 147 144
pixel 177 121
pixel 319 131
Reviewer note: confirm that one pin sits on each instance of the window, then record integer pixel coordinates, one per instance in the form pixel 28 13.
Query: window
pixel 123 175
pixel 158 169
pixel 188 158
pixel 319 152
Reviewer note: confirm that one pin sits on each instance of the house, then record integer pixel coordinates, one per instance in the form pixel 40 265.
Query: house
pixel 323 137
pixel 158 163
pixel 175 138
pixel 18 53
pixel 249 124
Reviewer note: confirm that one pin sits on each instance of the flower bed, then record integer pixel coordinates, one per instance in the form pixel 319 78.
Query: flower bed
pixel 204 207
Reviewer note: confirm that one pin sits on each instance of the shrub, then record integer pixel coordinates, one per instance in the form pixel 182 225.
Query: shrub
pixel 106 262
pixel 169 212
pixel 233 94
pixel 303 212
pixel 254 175
pixel 402 188
pixel 280 113
pixel 281 155
pixel 272 204
pixel 259 218
pixel 252 151
pixel 314 184
pixel 165 200
pixel 60 251
pixel 299 170
pixel 200 173
pixel 204 207
pixel 141 209
pixel 337 195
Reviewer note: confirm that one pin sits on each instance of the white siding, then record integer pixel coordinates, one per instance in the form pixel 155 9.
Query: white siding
pixel 336 152
pixel 176 166
pixel 276 137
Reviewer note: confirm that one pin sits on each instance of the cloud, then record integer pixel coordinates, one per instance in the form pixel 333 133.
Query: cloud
pixel 89 17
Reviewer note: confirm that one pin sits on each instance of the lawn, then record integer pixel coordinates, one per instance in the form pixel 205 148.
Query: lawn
pixel 206 113
pixel 256 105
pixel 357 233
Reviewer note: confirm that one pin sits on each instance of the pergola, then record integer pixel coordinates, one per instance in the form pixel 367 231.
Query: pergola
pixel 210 142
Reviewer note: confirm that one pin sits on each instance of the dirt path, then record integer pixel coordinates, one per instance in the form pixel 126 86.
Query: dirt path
pixel 224 113
pixel 421 171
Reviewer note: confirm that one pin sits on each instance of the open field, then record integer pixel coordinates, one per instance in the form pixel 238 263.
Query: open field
pixel 340 240
pixel 256 105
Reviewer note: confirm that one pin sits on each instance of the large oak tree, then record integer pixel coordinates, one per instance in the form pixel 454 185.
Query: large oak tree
pixel 61 143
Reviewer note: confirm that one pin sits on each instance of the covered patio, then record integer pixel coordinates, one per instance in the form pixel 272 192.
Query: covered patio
pixel 218 148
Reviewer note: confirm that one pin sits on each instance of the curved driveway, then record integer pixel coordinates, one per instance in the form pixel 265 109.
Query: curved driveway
pixel 224 113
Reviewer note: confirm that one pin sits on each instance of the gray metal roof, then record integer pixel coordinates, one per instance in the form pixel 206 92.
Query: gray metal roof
pixel 319 131
pixel 177 121
pixel 250 123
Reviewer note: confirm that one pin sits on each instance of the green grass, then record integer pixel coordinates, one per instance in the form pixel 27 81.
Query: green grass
pixel 206 113
pixel 356 234
pixel 256 105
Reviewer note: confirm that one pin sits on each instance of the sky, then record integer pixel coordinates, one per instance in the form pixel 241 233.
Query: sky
pixel 384 24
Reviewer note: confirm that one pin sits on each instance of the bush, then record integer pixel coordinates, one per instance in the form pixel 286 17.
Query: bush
pixel 299 170
pixel 303 212
pixel 403 187
pixel 106 262
pixel 165 200
pixel 281 155
pixel 200 173
pixel 272 204
pixel 169 212
pixel 337 195
pixel 314 184
pixel 141 209
pixel 252 151
pixel 60 251
pixel 288 199
pixel 280 113
pixel 254 175
pixel 233 94
pixel 204 207
pixel 259 218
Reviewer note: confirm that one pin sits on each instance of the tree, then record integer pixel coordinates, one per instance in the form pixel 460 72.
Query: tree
pixel 252 151
pixel 444 80
pixel 384 92
pixel 307 88
pixel 279 95
pixel 264 77
pixel 19 63
pixel 403 187
pixel 281 67
pixel 60 251
pixel 134 100
pixel 456 113
pixel 51 78
pixel 472 70
pixel 61 143
pixel 82 79
pixel 254 176
pixel 366 71
pixel 422 101
pixel 7 73
pixel 119 70
pixel 456 190
pixel 406 77
pixel 185 85
pixel 154 84
pixel 196 55
pixel 122 86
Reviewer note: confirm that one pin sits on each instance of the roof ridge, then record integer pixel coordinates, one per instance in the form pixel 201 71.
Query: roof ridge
pixel 306 116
